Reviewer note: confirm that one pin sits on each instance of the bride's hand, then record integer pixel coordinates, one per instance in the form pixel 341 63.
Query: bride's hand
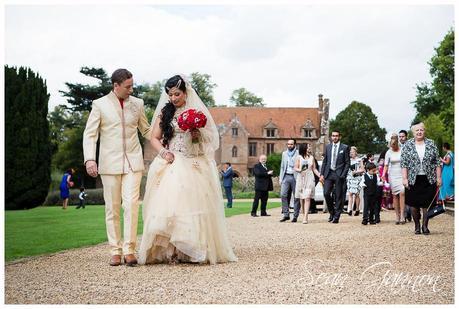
pixel 195 134
pixel 169 157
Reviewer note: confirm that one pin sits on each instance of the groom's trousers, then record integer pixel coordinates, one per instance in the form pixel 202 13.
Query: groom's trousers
pixel 125 188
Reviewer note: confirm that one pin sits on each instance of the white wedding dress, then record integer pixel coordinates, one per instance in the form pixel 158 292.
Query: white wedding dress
pixel 183 208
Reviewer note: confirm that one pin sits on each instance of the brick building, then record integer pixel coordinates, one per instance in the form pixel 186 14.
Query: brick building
pixel 248 132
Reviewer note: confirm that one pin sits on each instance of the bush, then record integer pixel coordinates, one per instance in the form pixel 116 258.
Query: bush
pixel 244 187
pixel 274 162
pixel 94 197
pixel 247 184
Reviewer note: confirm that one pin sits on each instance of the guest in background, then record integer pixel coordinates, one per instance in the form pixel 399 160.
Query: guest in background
pixel 402 138
pixel 421 173
pixel 81 198
pixel 447 174
pixel 228 174
pixel 354 177
pixel 313 209
pixel 335 167
pixel 305 184
pixel 370 183
pixel 263 184
pixel 287 180
pixel 64 187
pixel 393 170
pixel 386 196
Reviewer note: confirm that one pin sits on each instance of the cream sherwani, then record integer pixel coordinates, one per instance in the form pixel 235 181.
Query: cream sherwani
pixel 120 163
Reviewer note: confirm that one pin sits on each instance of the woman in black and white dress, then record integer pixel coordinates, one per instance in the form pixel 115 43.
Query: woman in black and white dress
pixel 353 179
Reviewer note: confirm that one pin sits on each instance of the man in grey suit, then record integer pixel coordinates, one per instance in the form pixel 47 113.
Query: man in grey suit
pixel 287 180
pixel 335 167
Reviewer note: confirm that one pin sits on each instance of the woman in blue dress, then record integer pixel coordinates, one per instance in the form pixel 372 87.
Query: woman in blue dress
pixel 447 174
pixel 66 184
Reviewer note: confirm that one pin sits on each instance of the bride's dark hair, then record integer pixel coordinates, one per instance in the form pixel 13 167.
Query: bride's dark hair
pixel 168 111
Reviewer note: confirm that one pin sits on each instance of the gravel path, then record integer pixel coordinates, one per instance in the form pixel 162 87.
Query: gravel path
pixel 279 263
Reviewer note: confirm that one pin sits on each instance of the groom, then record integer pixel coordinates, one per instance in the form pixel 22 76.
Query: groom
pixel 115 118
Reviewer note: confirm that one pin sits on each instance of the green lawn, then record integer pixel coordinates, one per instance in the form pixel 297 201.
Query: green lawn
pixel 51 229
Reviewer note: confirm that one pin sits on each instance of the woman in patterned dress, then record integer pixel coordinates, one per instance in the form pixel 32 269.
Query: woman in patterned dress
pixel 305 182
pixel 354 176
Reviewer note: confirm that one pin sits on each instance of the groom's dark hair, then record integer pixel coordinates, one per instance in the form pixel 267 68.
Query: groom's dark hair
pixel 120 76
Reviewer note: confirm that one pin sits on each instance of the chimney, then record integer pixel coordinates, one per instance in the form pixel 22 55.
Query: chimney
pixel 321 102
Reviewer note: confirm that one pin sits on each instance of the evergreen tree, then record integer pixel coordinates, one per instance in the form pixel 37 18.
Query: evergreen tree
pixel 27 142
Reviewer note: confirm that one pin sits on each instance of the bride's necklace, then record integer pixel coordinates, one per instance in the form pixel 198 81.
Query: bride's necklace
pixel 179 110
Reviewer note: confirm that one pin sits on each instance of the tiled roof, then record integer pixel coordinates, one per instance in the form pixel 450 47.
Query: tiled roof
pixel 289 120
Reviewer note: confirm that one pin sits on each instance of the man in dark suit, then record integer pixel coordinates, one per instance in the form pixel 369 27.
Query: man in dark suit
pixel 335 167
pixel 228 174
pixel 263 184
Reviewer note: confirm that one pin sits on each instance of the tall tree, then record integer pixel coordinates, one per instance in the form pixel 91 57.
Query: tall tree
pixel 204 87
pixel 438 96
pixel 27 142
pixel 359 127
pixel 243 97
pixel 80 96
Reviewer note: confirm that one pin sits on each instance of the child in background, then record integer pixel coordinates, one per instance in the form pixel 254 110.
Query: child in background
pixel 371 184
pixel 81 198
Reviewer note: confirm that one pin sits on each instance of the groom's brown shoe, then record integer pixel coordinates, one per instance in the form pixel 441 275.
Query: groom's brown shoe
pixel 130 260
pixel 115 260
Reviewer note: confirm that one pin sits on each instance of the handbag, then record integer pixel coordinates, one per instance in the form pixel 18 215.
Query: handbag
pixel 438 209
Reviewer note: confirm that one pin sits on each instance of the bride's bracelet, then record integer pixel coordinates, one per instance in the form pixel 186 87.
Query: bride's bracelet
pixel 163 152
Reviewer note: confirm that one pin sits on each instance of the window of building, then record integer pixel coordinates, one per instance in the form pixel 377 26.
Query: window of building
pixel 252 149
pixel 269 148
pixel 234 152
pixel 250 171
pixel 234 131
pixel 307 132
pixel 270 132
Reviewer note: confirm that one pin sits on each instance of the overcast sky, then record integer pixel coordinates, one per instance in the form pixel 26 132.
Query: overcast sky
pixel 285 54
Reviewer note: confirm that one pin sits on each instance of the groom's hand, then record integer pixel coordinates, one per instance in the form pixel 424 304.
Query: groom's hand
pixel 91 168
pixel 322 179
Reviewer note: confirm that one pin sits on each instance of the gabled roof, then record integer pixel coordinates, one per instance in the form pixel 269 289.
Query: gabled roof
pixel 289 120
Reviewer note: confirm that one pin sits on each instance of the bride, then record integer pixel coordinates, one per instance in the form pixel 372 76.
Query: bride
pixel 183 210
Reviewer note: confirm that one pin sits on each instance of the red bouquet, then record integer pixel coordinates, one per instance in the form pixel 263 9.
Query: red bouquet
pixel 191 119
